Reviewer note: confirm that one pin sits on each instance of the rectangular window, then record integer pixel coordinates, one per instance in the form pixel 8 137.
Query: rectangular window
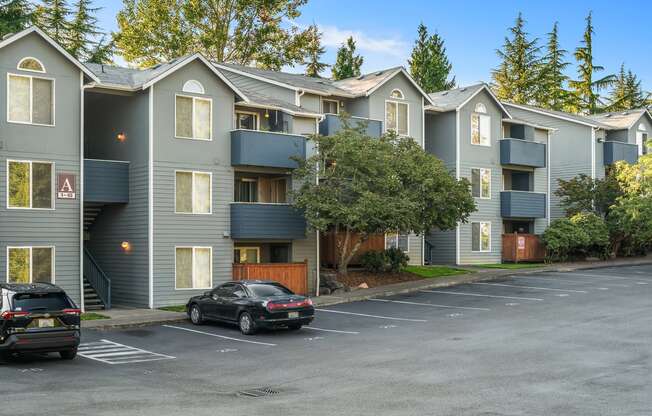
pixel 246 255
pixel 193 118
pixel 193 267
pixel 30 100
pixel 481 236
pixel 29 184
pixel 330 106
pixel 246 190
pixel 246 121
pixel 397 240
pixel 481 129
pixel 30 265
pixel 193 193
pixel 396 117
pixel 641 142
pixel 481 183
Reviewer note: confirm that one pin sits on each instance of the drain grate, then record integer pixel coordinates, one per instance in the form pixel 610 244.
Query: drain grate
pixel 260 392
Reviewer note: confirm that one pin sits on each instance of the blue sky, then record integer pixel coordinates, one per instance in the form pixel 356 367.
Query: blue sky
pixel 385 30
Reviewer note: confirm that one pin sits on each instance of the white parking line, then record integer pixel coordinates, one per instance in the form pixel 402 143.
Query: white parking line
pixel 530 287
pixel 430 304
pixel 331 330
pixel 564 280
pixel 479 294
pixel 372 316
pixel 110 352
pixel 210 334
pixel 600 276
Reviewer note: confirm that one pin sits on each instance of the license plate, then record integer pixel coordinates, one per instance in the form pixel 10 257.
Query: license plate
pixel 46 323
pixel 293 314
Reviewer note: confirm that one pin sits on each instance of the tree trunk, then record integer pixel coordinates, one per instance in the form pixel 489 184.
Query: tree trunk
pixel 347 255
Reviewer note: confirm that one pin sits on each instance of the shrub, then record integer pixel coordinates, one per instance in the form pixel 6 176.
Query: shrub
pixel 397 260
pixel 597 231
pixel 563 239
pixel 391 260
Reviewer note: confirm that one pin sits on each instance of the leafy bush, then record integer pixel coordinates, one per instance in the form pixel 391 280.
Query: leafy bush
pixel 563 239
pixel 597 231
pixel 391 260
pixel 397 260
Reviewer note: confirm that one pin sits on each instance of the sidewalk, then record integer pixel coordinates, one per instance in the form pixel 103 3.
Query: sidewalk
pixel 121 318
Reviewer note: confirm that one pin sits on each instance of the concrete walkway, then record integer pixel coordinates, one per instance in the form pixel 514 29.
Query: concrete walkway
pixel 120 318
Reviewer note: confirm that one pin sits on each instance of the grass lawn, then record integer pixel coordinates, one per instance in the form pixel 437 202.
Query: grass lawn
pixel 510 266
pixel 92 316
pixel 434 271
pixel 175 308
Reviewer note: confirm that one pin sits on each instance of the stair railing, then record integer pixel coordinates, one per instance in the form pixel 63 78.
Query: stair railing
pixel 97 278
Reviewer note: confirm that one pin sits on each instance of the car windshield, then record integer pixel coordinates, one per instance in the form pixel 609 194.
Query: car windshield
pixel 263 291
pixel 28 302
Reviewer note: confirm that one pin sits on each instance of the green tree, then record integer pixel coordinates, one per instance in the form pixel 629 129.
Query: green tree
pixel 237 31
pixel 102 52
pixel 52 16
pixel 83 30
pixel 586 88
pixel 15 15
pixel 517 77
pixel 347 63
pixel 552 91
pixel 429 65
pixel 626 92
pixel 585 194
pixel 314 52
pixel 368 186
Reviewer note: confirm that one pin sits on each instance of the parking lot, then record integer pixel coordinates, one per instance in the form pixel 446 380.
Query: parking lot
pixel 550 343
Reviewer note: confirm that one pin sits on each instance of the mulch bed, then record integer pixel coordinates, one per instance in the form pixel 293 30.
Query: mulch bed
pixel 355 278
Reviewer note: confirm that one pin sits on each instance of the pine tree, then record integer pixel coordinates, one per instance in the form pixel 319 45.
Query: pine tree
pixel 83 30
pixel 586 89
pixel 552 91
pixel 429 65
pixel 15 15
pixel 626 92
pixel 347 63
pixel 517 77
pixel 102 52
pixel 314 52
pixel 52 17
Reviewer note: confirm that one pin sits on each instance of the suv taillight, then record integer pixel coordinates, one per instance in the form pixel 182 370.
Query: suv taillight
pixel 13 314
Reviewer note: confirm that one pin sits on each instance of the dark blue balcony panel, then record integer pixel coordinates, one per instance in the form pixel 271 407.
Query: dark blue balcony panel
pixel 522 153
pixel 106 181
pixel 332 123
pixel 521 204
pixel 267 149
pixel 266 222
pixel 615 151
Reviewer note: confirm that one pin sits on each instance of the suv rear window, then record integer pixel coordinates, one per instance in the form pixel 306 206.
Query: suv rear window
pixel 28 302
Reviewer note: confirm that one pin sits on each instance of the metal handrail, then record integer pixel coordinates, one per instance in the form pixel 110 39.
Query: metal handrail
pixel 97 278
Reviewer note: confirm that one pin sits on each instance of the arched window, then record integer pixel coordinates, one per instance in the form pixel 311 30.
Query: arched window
pixel 396 94
pixel 31 64
pixel 480 108
pixel 193 86
pixel 641 127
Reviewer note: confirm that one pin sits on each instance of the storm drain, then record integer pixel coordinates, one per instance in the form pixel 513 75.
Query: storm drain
pixel 260 392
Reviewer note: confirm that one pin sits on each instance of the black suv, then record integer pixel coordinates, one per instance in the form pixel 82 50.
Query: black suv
pixel 38 317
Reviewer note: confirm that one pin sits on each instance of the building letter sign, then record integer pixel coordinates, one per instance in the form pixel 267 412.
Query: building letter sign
pixel 66 186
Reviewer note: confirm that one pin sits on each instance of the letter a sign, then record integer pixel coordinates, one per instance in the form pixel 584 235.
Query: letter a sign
pixel 66 186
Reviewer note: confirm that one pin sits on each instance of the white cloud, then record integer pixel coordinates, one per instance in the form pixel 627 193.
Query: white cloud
pixel 335 37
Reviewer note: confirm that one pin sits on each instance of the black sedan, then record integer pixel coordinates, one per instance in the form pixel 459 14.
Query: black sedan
pixel 252 305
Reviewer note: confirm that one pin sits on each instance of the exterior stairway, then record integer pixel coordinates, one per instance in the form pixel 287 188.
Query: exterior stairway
pixel 92 301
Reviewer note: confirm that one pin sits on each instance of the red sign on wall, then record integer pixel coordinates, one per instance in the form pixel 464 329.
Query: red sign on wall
pixel 66 186
pixel 521 243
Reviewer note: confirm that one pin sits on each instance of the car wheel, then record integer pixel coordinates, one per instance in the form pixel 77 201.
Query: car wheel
pixel 294 327
pixel 69 354
pixel 247 324
pixel 196 317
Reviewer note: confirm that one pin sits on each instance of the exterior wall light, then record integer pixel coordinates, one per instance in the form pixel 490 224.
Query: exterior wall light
pixel 122 137
pixel 126 245
pixel 266 113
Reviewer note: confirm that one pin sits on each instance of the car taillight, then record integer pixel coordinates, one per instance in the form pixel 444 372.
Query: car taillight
pixel 276 306
pixel 72 311
pixel 13 314
pixel 308 302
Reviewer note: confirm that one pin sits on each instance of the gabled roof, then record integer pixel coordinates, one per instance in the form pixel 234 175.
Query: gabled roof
pixel 256 99
pixel 621 120
pixel 452 100
pixel 573 118
pixel 367 84
pixel 9 39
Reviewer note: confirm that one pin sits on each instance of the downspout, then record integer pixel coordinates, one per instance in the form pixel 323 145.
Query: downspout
pixel 593 152
pixel 423 146
pixel 297 97
pixel 548 168
pixel 457 176
pixel 318 235
pixel 150 220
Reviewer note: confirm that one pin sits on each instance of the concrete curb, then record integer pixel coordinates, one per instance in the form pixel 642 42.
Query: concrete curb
pixel 107 324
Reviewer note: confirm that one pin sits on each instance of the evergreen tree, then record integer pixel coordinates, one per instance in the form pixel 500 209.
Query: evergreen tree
pixel 429 65
pixel 15 15
pixel 102 52
pixel 314 52
pixel 83 30
pixel 347 63
pixel 586 89
pixel 552 91
pixel 52 17
pixel 516 78
pixel 626 92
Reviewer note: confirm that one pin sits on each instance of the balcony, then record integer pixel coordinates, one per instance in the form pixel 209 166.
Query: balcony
pixel 106 181
pixel 522 204
pixel 266 149
pixel 332 123
pixel 615 151
pixel 522 153
pixel 266 222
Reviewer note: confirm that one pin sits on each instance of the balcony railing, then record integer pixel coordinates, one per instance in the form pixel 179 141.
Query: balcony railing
pixel 266 149
pixel 106 181
pixel 332 123
pixel 615 151
pixel 522 204
pixel 523 153
pixel 266 221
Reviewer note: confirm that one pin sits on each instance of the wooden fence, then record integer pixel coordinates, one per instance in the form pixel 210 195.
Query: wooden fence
pixel 328 247
pixel 523 247
pixel 294 276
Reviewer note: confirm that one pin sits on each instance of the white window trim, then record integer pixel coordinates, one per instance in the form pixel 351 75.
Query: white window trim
pixel 210 285
pixel 337 105
pixel 402 97
pixel 31 262
pixel 192 194
pixel 31 99
pixel 187 87
pixel 641 127
pixel 397 236
pixel 408 117
pixel 31 70
pixel 31 179
pixel 480 115
pixel 480 237
pixel 640 143
pixel 249 248
pixel 490 178
pixel 483 111
pixel 253 113
pixel 194 100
